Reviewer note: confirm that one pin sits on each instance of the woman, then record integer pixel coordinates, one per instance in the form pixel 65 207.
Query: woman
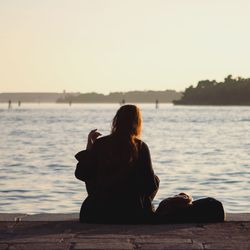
pixel 118 173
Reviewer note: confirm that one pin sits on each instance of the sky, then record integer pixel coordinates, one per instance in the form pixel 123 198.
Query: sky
pixel 121 45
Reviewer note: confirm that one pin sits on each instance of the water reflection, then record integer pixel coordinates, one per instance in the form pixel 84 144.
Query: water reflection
pixel 200 150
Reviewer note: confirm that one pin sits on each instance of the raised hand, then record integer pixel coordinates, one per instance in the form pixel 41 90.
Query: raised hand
pixel 92 136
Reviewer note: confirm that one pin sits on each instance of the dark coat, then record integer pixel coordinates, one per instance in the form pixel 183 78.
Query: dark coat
pixel 118 192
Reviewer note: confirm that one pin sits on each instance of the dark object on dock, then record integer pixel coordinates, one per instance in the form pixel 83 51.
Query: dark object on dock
pixel 202 210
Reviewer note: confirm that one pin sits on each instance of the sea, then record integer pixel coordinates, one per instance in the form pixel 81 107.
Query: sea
pixel 203 151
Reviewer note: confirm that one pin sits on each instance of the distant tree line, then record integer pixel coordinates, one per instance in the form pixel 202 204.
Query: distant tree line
pixel 166 96
pixel 232 91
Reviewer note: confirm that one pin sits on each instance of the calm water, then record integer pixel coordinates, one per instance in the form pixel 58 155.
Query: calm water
pixel 203 151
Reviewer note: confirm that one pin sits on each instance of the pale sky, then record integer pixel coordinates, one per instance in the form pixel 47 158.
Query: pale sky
pixel 121 45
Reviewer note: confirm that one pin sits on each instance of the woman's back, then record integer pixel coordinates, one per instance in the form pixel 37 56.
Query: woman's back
pixel 118 172
pixel 117 187
pixel 112 173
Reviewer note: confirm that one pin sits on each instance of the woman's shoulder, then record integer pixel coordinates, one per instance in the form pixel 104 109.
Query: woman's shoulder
pixel 142 145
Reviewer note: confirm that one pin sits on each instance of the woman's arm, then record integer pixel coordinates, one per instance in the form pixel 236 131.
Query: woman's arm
pixel 149 181
pixel 86 158
pixel 84 168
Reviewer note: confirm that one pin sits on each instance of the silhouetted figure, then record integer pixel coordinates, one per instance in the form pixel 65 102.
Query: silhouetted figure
pixel 123 102
pixel 9 104
pixel 19 103
pixel 156 104
pixel 70 103
pixel 121 183
pixel 118 173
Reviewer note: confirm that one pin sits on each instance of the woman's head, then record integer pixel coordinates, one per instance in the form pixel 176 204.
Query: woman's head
pixel 126 127
pixel 127 122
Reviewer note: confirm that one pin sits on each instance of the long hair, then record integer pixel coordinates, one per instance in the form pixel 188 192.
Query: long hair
pixel 126 127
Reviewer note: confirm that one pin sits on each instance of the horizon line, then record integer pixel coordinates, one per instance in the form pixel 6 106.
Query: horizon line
pixel 78 92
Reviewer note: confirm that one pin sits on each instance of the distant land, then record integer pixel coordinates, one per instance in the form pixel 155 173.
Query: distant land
pixel 166 96
pixel 232 91
pixel 32 97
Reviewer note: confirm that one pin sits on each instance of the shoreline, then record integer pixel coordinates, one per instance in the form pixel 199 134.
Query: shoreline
pixel 64 231
pixel 230 217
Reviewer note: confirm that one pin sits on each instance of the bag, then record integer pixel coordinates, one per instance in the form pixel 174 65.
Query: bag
pixel 206 210
pixel 181 209
pixel 170 205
